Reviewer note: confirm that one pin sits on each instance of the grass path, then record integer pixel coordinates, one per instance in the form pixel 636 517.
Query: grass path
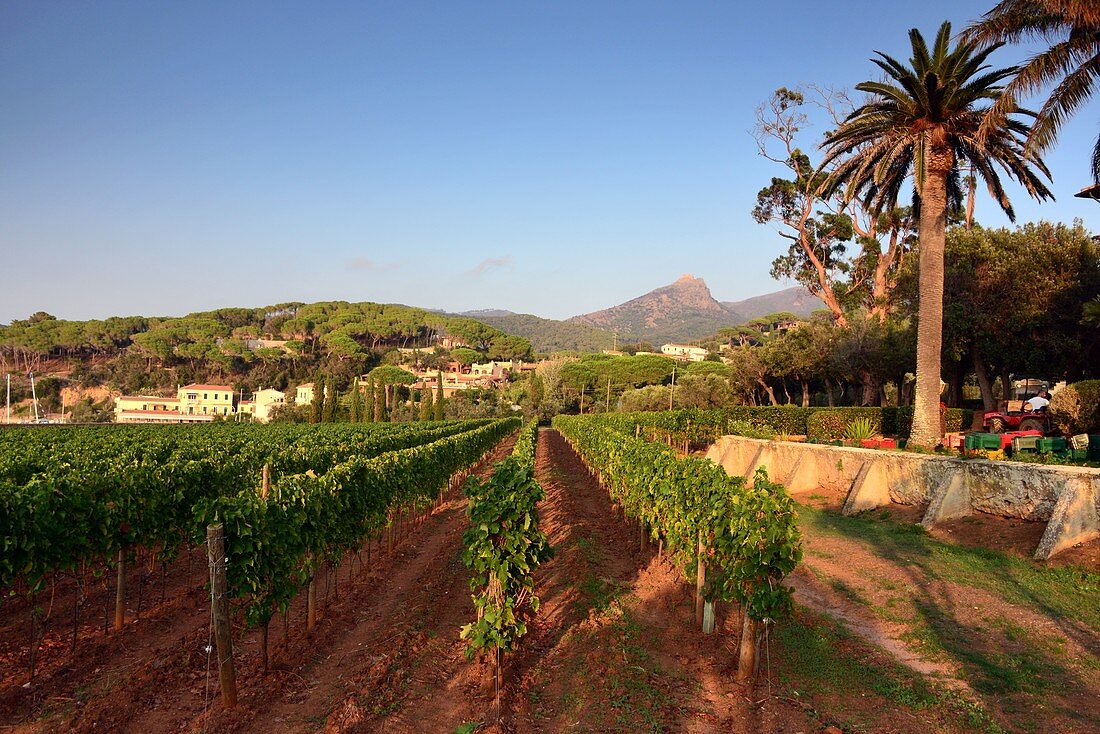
pixel 1018 641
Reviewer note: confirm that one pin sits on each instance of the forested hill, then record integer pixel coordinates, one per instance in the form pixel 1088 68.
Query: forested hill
pixel 796 300
pixel 135 352
pixel 682 311
pixel 677 312
pixel 549 335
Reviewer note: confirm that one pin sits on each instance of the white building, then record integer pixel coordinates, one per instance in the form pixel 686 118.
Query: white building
pixel 684 352
pixel 264 402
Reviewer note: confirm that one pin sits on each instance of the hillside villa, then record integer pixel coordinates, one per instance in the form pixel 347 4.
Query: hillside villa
pixel 262 405
pixel 458 377
pixel 196 403
pixel 684 352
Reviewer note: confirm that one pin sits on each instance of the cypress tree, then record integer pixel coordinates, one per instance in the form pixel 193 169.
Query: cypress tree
pixel 379 405
pixel 316 405
pixel 426 404
pixel 368 402
pixel 438 407
pixel 355 405
pixel 328 408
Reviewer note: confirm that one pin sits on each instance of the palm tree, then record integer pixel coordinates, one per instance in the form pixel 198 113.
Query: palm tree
pixel 1072 28
pixel 923 121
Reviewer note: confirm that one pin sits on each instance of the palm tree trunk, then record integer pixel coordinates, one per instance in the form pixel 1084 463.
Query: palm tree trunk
pixel 933 234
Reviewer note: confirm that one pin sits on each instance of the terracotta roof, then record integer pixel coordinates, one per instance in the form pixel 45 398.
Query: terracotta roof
pixel 194 386
pixel 149 398
pixel 168 415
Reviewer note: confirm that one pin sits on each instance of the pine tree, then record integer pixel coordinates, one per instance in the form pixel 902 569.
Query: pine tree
pixel 355 404
pixel 438 407
pixel 426 404
pixel 316 406
pixel 328 407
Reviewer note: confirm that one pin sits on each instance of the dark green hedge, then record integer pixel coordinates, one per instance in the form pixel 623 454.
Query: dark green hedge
pixel 815 423
pixel 788 419
pixel 899 421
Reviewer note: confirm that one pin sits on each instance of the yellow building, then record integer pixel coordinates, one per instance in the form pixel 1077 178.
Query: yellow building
pixel 304 394
pixel 146 409
pixel 212 400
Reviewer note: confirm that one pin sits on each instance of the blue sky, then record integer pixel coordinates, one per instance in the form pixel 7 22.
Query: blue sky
pixel 548 158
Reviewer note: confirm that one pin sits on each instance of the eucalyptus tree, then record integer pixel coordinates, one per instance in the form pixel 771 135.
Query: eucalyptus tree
pixel 845 255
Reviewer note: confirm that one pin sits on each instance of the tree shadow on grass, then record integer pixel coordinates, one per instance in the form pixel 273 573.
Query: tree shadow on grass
pixel 1017 672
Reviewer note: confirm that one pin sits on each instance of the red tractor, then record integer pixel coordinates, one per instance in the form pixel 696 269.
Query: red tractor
pixel 1016 416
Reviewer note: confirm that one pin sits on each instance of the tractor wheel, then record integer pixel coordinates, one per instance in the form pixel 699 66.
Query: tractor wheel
pixel 996 425
pixel 1030 424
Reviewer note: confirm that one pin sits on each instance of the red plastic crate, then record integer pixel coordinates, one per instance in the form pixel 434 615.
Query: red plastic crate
pixel 1006 438
pixel 879 443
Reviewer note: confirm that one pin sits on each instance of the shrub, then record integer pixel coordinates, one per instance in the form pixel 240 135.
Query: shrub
pixel 833 423
pixel 860 428
pixel 958 419
pixel 1076 408
pixel 748 430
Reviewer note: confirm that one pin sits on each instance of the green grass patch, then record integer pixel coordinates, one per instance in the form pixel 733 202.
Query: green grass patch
pixel 1019 671
pixel 822 661
pixel 637 703
pixel 1057 592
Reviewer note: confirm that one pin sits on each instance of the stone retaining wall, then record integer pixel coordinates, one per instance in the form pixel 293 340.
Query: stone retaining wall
pixel 1066 498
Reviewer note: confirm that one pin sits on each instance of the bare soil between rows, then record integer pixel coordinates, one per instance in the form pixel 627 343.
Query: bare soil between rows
pixel 614 646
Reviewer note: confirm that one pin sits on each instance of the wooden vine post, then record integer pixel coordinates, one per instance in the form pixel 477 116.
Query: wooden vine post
pixel 746 663
pixel 700 579
pixel 498 680
pixel 265 488
pixel 219 611
pixel 311 605
pixel 120 592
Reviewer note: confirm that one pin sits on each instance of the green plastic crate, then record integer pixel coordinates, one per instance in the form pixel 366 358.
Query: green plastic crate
pixel 1056 445
pixel 1078 454
pixel 1094 447
pixel 982 441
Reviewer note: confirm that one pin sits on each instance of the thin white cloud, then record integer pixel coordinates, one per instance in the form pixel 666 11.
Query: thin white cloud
pixel 490 263
pixel 363 263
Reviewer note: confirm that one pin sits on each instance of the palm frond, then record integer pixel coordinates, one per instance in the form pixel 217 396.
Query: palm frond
pixel 929 115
